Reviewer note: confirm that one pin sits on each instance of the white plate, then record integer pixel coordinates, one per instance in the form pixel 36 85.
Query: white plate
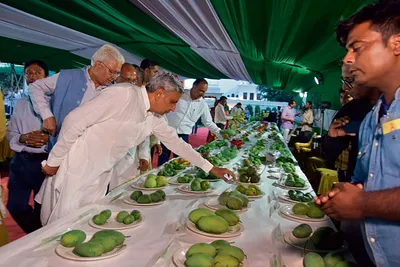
pixel 287 212
pixel 186 189
pixel 258 196
pixel 130 201
pixel 140 185
pixel 292 187
pixel 286 198
pixel 247 184
pixel 67 253
pixel 179 259
pixel 213 204
pixel 233 231
pixel 301 243
pixel 112 224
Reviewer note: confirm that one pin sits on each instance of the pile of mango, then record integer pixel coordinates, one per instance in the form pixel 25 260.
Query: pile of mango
pixel 219 253
pixel 309 209
pixel 141 198
pixel 185 179
pixel 122 217
pixel 332 259
pixel 227 133
pixel 294 180
pixel 199 185
pixel 233 200
pixel 251 190
pixel 299 196
pixel 248 173
pixel 217 222
pixel 207 148
pixel 172 168
pixel 323 238
pixel 102 242
pixel 153 181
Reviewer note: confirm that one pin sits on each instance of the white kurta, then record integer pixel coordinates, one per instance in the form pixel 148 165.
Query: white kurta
pixel 94 137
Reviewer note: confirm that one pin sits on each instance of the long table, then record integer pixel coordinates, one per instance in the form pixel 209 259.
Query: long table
pixel 163 232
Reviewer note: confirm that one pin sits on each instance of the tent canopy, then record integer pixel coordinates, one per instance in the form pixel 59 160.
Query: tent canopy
pixel 284 44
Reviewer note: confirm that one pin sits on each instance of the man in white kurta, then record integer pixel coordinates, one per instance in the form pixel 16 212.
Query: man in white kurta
pixel 96 135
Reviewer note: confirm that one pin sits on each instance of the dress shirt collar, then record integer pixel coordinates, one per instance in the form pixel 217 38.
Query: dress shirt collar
pixel 100 87
pixel 145 97
pixel 187 95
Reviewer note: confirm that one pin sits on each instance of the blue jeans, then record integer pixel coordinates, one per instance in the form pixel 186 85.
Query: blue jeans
pixel 25 176
pixel 166 153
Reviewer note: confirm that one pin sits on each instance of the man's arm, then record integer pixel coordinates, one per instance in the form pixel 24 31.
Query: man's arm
pixel 144 149
pixel 383 204
pixel 38 92
pixel 100 108
pixel 13 134
pixel 207 121
pixel 284 116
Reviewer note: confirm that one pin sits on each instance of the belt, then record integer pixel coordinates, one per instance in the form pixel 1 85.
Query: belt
pixel 37 156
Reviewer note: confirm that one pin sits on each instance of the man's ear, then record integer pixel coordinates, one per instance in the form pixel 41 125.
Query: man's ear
pixel 395 44
pixel 159 93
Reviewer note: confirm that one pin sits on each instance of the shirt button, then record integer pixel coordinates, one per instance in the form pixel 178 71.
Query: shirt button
pixel 371 175
pixel 83 89
pixel 78 102
pixel 372 240
pixel 376 144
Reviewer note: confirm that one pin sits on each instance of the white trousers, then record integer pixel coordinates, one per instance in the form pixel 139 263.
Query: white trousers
pixel 286 134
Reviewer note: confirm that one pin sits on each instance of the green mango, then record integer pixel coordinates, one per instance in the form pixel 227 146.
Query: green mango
pixel 230 216
pixel 205 185
pixel 302 231
pixel 220 244
pixel 234 203
pixel 212 224
pixel 108 243
pixel 199 260
pixel 155 197
pixel 144 199
pixel 326 238
pixel 300 209
pixel 225 260
pixel 196 214
pixel 99 219
pixel 313 259
pixel 136 215
pixel 245 199
pixel 89 249
pixel 129 219
pixel 183 180
pixel 201 248
pixel 72 238
pixel 314 211
pixel 223 198
pixel 150 182
pixel 195 186
pixel 242 188
pixel 161 193
pixel 333 258
pixel 106 213
pixel 121 216
pixel 346 264
pixel 233 251
pixel 117 236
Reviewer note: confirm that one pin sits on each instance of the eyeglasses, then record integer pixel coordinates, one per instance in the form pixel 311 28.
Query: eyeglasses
pixel 348 83
pixel 112 72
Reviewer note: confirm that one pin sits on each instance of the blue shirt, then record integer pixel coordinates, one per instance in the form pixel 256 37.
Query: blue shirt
pixel 378 168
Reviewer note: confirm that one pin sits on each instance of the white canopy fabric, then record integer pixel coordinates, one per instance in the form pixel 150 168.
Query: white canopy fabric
pixel 197 23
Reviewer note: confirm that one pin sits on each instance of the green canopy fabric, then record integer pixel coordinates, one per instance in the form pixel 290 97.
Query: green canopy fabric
pixel 18 52
pixel 122 23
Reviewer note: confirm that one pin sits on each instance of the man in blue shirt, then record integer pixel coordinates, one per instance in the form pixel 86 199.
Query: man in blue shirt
pixel 372 40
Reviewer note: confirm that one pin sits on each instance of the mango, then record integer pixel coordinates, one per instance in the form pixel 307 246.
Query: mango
pixel 213 224
pixel 244 199
pixel 241 188
pixel 223 198
pixel 195 186
pixel 135 195
pixel 89 249
pixel 225 260
pixel 136 214
pixel 251 191
pixel 201 248
pixel 161 181
pixel 117 236
pixel 326 238
pixel 205 185
pixel 196 214
pixel 121 216
pixel 150 182
pixel 220 244
pixel 144 199
pixel 314 211
pixel 234 203
pixel 346 264
pixel 302 231
pixel 155 197
pixel 199 260
pixel 233 251
pixel 99 219
pixel 333 258
pixel 129 219
pixel 257 188
pixel 108 243
pixel 300 209
pixel 313 259
pixel 106 213
pixel 161 193
pixel 231 217
pixel 72 238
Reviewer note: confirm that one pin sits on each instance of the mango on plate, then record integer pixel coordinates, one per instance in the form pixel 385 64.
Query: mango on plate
pixel 196 214
pixel 72 238
pixel 212 224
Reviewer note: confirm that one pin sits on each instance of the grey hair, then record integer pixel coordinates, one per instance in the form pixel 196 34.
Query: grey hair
pixel 165 80
pixel 107 52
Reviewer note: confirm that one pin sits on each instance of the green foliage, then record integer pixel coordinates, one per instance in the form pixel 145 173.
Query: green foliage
pixel 258 110
pixel 272 94
pixel 250 108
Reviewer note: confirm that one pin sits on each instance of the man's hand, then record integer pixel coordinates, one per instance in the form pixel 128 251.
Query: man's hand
pixel 221 172
pixel 336 129
pixel 346 204
pixel 50 126
pixel 143 165
pixel 158 149
pixel 49 171
pixel 34 139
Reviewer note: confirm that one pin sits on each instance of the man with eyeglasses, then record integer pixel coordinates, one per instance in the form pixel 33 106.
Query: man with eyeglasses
pixel 53 98
pixel 364 98
pixel 128 74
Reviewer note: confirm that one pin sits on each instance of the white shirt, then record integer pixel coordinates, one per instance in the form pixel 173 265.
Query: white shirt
pixel 188 112
pixel 94 137
pixel 220 115
pixel 41 89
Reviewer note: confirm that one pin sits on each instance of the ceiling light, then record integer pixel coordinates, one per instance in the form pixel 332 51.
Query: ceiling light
pixel 316 80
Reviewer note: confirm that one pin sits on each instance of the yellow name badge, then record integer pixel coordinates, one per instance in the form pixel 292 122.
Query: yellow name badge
pixel 391 126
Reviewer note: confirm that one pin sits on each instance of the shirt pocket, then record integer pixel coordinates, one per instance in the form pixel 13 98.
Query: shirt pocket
pixel 363 157
pixel 390 161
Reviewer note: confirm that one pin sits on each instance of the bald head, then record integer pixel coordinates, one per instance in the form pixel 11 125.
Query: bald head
pixel 128 74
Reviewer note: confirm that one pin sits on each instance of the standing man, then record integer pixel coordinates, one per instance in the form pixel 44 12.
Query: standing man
pixel 306 124
pixel 372 40
pixel 53 98
pixel 190 108
pixel 124 117
pixel 150 69
pixel 29 142
pixel 287 117
pixel 128 74
pixel 220 114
